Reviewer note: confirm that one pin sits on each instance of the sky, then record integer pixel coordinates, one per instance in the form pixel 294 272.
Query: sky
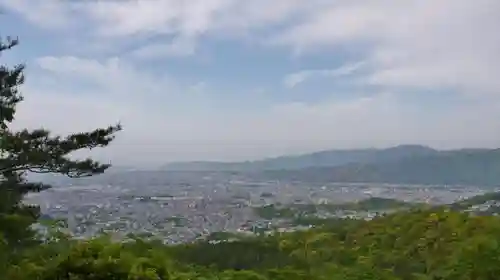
pixel 247 79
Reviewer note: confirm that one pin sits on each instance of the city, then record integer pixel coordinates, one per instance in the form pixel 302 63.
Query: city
pixel 187 206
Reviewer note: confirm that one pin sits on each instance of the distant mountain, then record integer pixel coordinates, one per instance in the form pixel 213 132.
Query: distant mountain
pixel 459 167
pixel 330 158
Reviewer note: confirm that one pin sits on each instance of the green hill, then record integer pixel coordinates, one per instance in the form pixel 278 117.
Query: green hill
pixel 475 200
pixel 373 204
pixel 409 245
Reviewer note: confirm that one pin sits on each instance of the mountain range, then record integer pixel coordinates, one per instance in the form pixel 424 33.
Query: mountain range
pixel 318 159
pixel 405 164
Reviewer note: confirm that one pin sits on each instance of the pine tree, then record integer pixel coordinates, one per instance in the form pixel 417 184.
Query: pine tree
pixel 35 151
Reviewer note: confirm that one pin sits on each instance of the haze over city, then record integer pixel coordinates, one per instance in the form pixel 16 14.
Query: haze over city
pixel 249 139
pixel 238 80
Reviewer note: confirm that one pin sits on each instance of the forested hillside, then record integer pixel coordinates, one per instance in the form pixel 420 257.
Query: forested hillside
pixel 419 244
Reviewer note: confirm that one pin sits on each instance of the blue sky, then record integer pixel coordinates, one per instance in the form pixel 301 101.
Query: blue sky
pixel 246 79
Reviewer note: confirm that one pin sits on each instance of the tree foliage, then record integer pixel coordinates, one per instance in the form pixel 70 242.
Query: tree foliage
pixel 416 244
pixel 34 151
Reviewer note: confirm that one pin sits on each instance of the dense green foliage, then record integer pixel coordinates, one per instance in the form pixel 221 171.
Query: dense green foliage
pixel 372 204
pixel 476 200
pixel 301 211
pixel 419 244
pixel 272 211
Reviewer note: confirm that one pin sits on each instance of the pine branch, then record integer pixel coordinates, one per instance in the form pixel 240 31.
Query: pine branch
pixel 39 152
pixel 34 151
pixel 10 43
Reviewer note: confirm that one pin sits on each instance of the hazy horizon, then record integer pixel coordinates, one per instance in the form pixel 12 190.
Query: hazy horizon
pixel 298 154
pixel 233 80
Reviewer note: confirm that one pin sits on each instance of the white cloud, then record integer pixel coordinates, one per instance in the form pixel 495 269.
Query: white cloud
pixel 447 43
pixel 48 13
pixel 419 43
pixel 113 76
pixel 187 20
pixel 155 133
pixel 156 16
pixel 292 80
pixel 80 67
pixel 177 48
pixel 191 18
pixel 414 43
